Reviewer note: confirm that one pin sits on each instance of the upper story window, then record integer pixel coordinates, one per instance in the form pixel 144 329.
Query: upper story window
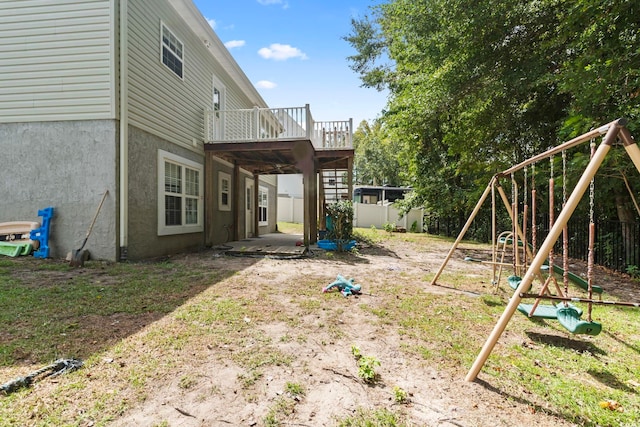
pixel 216 101
pixel 172 52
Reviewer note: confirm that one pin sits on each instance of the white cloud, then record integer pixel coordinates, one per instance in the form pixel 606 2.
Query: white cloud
pixel 234 43
pixel 281 52
pixel 265 84
pixel 212 22
pixel 285 4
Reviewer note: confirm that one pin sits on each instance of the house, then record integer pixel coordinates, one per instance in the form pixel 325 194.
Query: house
pixel 140 98
pixel 371 194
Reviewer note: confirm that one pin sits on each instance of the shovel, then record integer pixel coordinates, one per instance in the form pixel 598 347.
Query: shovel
pixel 78 255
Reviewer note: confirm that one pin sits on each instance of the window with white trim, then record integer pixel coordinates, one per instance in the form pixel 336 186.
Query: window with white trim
pixel 172 51
pixel 224 191
pixel 180 198
pixel 263 203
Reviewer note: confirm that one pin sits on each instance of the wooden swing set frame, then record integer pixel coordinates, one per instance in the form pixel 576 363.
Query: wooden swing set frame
pixel 616 130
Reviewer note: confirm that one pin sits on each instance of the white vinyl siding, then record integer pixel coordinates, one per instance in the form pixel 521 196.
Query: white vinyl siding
pixel 159 102
pixel 57 60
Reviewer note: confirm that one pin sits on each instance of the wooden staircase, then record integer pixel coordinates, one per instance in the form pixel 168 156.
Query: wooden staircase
pixel 334 185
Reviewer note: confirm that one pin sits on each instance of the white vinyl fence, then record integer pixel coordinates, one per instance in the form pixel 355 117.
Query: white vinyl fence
pixel 364 215
pixel 290 209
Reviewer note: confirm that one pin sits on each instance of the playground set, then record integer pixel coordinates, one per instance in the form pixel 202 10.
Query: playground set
pixel 532 264
pixel 19 238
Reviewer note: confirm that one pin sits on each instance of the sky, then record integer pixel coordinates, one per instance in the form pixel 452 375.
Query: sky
pixel 294 53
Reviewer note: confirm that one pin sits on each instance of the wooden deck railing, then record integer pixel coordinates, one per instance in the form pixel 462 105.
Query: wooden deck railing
pixel 276 124
pixel 333 135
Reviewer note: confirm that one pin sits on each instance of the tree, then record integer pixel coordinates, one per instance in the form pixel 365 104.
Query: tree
pixel 477 86
pixel 376 162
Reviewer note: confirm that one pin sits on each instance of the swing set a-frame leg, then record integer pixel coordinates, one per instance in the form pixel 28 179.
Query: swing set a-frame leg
pixel 464 230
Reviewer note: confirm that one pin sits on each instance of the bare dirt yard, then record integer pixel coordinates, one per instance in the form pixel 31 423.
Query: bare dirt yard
pixel 264 346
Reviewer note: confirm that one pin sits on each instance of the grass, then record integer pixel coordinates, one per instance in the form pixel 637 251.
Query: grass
pixel 370 418
pixel 120 317
pixel 53 310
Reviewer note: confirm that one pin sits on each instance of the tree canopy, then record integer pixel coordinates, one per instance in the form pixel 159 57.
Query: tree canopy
pixel 376 162
pixel 477 86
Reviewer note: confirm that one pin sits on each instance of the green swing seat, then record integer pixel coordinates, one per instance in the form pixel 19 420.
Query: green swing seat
pixel 514 282
pixel 544 311
pixel 569 318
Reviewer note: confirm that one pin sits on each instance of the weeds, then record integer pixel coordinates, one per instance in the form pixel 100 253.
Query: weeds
pixel 399 395
pixel 366 365
pixel 371 418
pixel 294 389
pixel 187 381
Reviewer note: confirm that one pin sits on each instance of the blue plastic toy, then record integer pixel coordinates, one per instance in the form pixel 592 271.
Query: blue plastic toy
pixel 346 287
pixel 42 234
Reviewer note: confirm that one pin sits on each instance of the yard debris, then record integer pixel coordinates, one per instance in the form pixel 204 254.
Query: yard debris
pixel 58 367
pixel 611 405
pixel 346 287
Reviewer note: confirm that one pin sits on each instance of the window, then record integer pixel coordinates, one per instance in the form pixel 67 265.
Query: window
pixel 179 195
pixel 263 203
pixel 224 191
pixel 216 101
pixel 172 51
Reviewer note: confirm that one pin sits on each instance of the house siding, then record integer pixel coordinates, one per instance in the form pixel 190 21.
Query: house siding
pixel 60 128
pixel 57 60
pixel 159 101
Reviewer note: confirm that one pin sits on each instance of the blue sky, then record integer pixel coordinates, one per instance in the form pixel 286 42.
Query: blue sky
pixel 293 52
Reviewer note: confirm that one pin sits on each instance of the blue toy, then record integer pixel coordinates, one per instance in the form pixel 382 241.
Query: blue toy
pixel 42 234
pixel 346 287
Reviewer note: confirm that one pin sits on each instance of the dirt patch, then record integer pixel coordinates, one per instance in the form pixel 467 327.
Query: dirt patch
pixel 220 382
pixel 323 362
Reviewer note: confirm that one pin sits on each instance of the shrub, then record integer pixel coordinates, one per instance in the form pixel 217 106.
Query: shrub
pixel 341 215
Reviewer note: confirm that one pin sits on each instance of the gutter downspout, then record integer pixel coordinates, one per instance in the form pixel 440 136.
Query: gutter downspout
pixel 124 132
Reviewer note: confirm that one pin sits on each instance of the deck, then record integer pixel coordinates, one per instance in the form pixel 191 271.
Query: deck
pixel 278 140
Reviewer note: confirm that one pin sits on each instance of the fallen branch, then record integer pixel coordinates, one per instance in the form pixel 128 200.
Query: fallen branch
pixel 185 413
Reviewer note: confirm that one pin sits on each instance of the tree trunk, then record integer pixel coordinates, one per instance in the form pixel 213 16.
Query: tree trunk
pixel 626 217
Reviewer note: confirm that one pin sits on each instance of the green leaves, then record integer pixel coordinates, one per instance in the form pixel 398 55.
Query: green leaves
pixel 477 86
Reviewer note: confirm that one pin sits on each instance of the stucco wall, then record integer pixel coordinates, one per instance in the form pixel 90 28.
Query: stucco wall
pixel 67 165
pixel 223 220
pixel 144 241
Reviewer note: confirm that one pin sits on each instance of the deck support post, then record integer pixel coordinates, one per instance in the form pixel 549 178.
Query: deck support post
pixel 308 194
pixel 321 201
pixel 313 224
pixel 209 197
pixel 235 201
pixel 256 213
pixel 350 177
